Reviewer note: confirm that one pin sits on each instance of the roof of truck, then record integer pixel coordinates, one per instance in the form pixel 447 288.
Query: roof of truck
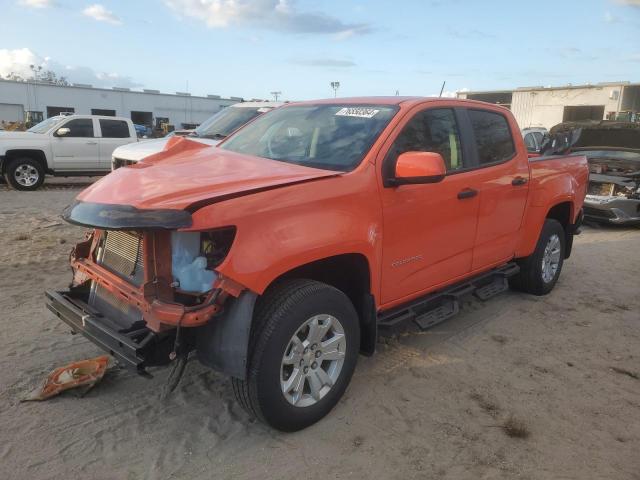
pixel 99 117
pixel 256 104
pixel 363 100
pixel 390 100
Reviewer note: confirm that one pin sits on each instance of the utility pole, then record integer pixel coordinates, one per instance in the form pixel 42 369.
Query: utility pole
pixel 335 86
pixel 276 94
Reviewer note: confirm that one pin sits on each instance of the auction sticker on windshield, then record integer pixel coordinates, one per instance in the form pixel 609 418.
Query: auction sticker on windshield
pixel 361 112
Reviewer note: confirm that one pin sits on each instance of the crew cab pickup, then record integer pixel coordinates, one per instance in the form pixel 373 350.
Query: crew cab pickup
pixel 275 257
pixel 64 145
pixel 211 132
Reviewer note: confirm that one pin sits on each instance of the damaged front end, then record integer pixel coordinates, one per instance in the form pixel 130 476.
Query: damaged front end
pixel 142 290
pixel 612 149
pixel 613 195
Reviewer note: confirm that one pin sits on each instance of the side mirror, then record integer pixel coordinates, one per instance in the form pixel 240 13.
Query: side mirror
pixel 419 167
pixel 61 132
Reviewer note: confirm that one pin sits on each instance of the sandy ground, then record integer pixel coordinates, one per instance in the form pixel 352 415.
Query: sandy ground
pixel 428 405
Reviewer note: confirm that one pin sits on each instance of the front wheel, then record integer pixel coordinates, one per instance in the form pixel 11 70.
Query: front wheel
pixel 24 174
pixel 305 346
pixel 539 272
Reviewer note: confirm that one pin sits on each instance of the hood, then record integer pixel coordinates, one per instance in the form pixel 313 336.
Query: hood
pixel 136 151
pixel 193 176
pixel 4 135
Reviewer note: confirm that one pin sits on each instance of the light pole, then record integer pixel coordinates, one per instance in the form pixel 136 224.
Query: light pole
pixel 335 86
pixel 276 95
pixel 36 71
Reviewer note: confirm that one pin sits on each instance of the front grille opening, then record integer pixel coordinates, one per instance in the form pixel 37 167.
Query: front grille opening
pixel 121 253
pixel 121 162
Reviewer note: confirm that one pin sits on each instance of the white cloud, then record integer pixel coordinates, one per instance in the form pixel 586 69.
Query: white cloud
pixel 19 62
pixel 36 3
pixel 278 15
pixel 100 13
pixel 631 3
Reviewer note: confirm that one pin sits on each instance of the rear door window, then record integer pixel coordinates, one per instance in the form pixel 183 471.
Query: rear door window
pixel 494 142
pixel 114 129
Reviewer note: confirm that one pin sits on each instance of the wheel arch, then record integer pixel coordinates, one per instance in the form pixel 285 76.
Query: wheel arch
pixel 34 154
pixel 351 274
pixel 561 209
pixel 563 213
pixel 223 343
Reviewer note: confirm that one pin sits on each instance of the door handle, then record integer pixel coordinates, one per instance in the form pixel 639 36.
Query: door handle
pixel 467 193
pixel 92 143
pixel 519 181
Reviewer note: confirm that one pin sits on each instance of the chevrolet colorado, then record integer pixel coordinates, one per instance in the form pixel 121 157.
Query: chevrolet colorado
pixel 275 257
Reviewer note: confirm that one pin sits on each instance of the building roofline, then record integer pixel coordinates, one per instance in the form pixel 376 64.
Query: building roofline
pixel 484 92
pixel 120 90
pixel 579 87
pixel 560 87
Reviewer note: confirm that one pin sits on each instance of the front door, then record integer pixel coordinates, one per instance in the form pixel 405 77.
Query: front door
pixel 428 230
pixel 77 150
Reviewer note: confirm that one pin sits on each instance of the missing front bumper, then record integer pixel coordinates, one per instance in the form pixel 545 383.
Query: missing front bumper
pixel 135 347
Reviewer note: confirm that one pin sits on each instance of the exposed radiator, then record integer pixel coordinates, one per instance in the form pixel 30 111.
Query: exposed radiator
pixel 121 253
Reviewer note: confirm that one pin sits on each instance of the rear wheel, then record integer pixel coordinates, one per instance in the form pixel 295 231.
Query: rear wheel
pixel 539 272
pixel 24 174
pixel 304 350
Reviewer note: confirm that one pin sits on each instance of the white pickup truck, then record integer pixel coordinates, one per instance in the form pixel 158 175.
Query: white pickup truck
pixel 64 145
pixel 211 132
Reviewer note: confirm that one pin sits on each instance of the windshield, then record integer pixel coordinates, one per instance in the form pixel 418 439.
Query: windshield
pixel 43 127
pixel 226 121
pixel 331 137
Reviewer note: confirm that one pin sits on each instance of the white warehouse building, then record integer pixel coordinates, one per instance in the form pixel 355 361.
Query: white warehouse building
pixel 548 106
pixel 36 101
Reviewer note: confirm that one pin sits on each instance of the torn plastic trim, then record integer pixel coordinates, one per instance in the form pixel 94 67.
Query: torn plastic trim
pixel 124 217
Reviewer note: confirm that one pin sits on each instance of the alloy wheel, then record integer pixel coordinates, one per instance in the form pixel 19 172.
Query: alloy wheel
pixel 551 258
pixel 313 360
pixel 26 175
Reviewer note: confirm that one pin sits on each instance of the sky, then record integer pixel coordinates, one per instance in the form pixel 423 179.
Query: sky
pixel 250 48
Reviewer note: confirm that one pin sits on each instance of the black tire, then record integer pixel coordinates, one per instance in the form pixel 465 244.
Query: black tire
pixel 530 279
pixel 21 164
pixel 279 314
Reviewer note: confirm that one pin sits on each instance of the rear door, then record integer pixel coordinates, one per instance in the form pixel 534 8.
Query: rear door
pixel 113 133
pixel 502 179
pixel 76 151
pixel 428 229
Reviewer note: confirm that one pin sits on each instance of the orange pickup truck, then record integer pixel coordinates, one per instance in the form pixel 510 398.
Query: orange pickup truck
pixel 275 257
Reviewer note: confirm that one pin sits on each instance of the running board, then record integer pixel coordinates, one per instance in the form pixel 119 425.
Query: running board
pixel 437 307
